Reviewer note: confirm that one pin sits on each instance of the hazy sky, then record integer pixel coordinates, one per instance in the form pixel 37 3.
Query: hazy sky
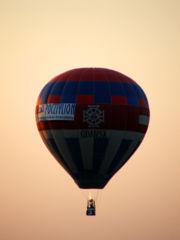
pixel 40 39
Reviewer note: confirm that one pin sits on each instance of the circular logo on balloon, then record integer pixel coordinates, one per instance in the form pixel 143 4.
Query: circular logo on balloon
pixel 93 115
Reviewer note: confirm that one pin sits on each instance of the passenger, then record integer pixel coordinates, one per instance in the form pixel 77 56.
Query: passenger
pixel 91 208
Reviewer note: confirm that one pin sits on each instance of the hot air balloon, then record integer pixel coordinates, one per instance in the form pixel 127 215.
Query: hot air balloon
pixel 92 120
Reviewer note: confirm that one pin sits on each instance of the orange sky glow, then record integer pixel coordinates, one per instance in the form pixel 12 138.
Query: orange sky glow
pixel 40 39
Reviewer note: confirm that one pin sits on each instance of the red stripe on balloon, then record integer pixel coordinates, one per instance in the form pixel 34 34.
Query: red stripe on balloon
pixel 142 103
pixel 54 99
pixel 85 99
pixel 116 100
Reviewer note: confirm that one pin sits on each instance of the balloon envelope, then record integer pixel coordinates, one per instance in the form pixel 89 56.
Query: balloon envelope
pixel 92 120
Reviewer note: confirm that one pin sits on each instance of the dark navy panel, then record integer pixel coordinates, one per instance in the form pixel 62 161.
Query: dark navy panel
pixel 131 94
pixel 102 92
pixel 125 144
pixel 69 92
pixel 135 148
pixel 45 91
pixel 57 88
pixel 100 144
pixel 85 88
pixel 56 152
pixel 117 89
pixel 75 151
pixel 53 146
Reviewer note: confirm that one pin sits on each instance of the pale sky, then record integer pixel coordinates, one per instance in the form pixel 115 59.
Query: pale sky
pixel 40 39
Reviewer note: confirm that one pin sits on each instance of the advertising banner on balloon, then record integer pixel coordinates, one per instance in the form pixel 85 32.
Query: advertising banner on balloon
pixel 51 111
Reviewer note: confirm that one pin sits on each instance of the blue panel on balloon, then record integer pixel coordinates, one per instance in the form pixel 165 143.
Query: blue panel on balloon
pixel 69 92
pixel 85 88
pixel 45 91
pixel 102 92
pixel 117 89
pixel 57 88
pixel 131 94
pixel 142 95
